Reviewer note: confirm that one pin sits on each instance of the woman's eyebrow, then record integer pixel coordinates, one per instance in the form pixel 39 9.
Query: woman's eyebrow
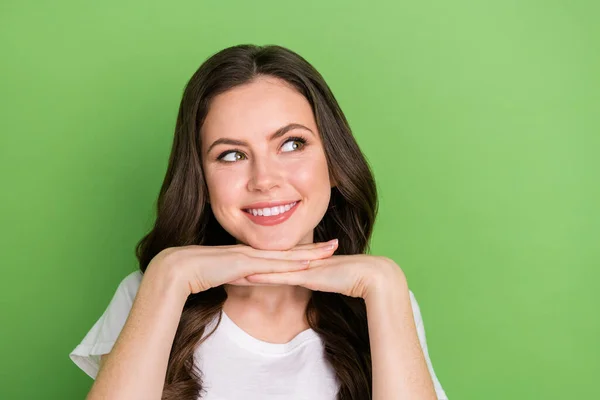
pixel 277 134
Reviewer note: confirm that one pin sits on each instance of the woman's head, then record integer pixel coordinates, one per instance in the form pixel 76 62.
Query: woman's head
pixel 251 95
pixel 246 93
pixel 260 144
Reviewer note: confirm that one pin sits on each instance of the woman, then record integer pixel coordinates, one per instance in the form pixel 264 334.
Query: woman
pixel 239 293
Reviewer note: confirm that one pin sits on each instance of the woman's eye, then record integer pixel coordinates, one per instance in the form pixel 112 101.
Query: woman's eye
pixel 232 156
pixel 293 144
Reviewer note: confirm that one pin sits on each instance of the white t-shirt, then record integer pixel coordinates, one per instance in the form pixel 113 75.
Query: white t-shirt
pixel 235 365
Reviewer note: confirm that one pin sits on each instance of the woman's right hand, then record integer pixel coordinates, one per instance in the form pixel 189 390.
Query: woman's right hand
pixel 198 268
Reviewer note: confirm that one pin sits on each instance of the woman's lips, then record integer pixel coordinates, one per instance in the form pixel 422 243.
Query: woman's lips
pixel 272 219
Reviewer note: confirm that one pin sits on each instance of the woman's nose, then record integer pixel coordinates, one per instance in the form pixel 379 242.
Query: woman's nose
pixel 264 176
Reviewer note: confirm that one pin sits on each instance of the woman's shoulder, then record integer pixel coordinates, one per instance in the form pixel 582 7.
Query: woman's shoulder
pixel 126 291
pixel 100 339
pixel 131 282
pixel 415 309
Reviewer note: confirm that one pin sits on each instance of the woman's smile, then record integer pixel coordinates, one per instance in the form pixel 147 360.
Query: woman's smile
pixel 272 215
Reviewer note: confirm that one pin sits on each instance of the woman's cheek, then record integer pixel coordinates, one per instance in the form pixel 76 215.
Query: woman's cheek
pixel 299 172
pixel 224 184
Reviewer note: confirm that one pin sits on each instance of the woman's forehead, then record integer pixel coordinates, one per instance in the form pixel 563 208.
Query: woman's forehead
pixel 256 109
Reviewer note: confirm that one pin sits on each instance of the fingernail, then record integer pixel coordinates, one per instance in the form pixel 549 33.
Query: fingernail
pixel 305 262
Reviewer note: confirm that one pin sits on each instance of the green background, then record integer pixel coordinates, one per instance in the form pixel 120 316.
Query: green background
pixel 480 120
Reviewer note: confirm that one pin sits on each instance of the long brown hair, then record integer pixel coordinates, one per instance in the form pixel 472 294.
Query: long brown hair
pixel 184 216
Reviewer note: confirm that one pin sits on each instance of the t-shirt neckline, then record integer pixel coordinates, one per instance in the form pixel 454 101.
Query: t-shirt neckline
pixel 251 343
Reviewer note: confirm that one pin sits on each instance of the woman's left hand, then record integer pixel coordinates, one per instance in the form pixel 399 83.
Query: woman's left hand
pixel 355 275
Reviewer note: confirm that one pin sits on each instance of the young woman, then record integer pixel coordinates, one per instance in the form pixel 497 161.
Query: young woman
pixel 254 282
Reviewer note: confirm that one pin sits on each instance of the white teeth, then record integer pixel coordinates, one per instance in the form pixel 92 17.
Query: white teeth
pixel 271 211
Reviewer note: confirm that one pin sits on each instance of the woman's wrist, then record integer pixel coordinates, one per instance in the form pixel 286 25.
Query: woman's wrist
pixel 387 280
pixel 167 281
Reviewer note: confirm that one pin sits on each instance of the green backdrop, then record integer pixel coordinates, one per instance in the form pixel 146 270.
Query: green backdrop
pixel 480 119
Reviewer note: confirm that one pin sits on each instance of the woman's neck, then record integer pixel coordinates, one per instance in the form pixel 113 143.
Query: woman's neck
pixel 274 314
pixel 269 304
pixel 268 299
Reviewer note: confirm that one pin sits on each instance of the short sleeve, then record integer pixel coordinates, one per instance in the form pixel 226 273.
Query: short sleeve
pixel 101 338
pixel 441 395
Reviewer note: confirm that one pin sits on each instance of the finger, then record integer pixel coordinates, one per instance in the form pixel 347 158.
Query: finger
pixel 255 265
pixel 299 278
pixel 239 282
pixel 311 279
pixel 313 245
pixel 304 246
pixel 243 282
pixel 309 253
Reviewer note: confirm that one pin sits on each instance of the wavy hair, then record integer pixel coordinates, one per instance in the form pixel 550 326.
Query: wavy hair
pixel 184 216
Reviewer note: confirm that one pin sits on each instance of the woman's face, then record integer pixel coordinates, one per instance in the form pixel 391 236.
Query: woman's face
pixel 246 161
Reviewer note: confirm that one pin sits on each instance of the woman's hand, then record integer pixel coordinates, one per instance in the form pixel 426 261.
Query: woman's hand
pixel 356 275
pixel 198 268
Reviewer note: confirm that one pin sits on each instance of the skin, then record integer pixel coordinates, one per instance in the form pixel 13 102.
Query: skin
pixel 250 113
pixel 265 170
pixel 268 286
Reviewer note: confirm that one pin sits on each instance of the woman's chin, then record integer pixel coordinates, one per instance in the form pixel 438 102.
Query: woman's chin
pixel 272 242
